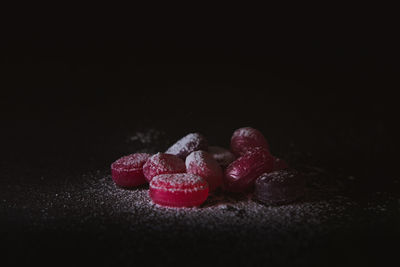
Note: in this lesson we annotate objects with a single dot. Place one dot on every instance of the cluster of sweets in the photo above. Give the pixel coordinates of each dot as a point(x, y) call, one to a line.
point(184, 175)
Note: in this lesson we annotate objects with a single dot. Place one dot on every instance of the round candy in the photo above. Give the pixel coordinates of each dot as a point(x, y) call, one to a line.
point(246, 138)
point(279, 187)
point(186, 145)
point(127, 171)
point(162, 163)
point(178, 190)
point(201, 163)
point(223, 156)
point(240, 174)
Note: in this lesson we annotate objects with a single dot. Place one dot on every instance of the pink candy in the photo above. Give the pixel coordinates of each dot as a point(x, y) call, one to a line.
point(127, 171)
point(202, 164)
point(240, 174)
point(162, 163)
point(178, 190)
point(184, 175)
point(246, 138)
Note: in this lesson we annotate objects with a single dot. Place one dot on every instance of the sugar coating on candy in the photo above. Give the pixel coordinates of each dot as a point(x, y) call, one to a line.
point(240, 174)
point(132, 161)
point(282, 176)
point(202, 163)
point(279, 187)
point(96, 198)
point(222, 155)
point(127, 171)
point(246, 138)
point(162, 163)
point(186, 145)
point(178, 190)
point(183, 182)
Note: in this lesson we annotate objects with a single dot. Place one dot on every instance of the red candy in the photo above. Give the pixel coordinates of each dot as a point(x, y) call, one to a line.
point(178, 190)
point(223, 156)
point(184, 175)
point(246, 138)
point(240, 174)
point(201, 163)
point(127, 171)
point(187, 144)
point(161, 163)
point(280, 164)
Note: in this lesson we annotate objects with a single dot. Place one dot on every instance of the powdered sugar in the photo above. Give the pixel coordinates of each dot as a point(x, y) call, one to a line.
point(132, 161)
point(219, 211)
point(146, 137)
point(278, 176)
point(183, 182)
point(198, 157)
point(178, 179)
point(244, 139)
point(97, 199)
point(162, 163)
point(201, 163)
point(188, 144)
point(244, 132)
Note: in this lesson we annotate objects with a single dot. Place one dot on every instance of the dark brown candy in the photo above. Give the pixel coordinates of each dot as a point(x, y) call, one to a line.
point(279, 187)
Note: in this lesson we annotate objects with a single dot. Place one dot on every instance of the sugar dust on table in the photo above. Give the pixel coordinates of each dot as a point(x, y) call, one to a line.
point(188, 171)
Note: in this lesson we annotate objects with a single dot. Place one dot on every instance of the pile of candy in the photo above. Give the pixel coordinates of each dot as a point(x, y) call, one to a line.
point(184, 175)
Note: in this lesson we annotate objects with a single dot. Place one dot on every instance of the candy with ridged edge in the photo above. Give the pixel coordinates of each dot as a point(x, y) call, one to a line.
point(128, 170)
point(178, 190)
point(162, 163)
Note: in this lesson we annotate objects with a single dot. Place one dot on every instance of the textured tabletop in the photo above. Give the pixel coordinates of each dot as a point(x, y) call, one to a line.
point(65, 205)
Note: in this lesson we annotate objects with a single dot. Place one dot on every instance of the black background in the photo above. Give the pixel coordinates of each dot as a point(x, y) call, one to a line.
point(322, 85)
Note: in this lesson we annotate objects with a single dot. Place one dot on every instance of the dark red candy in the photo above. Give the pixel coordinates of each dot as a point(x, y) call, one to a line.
point(178, 190)
point(279, 187)
point(246, 138)
point(162, 163)
point(186, 145)
point(201, 163)
point(223, 156)
point(280, 164)
point(128, 172)
point(241, 174)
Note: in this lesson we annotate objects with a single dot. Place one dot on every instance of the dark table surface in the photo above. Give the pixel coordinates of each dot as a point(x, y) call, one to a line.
point(58, 204)
point(73, 101)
